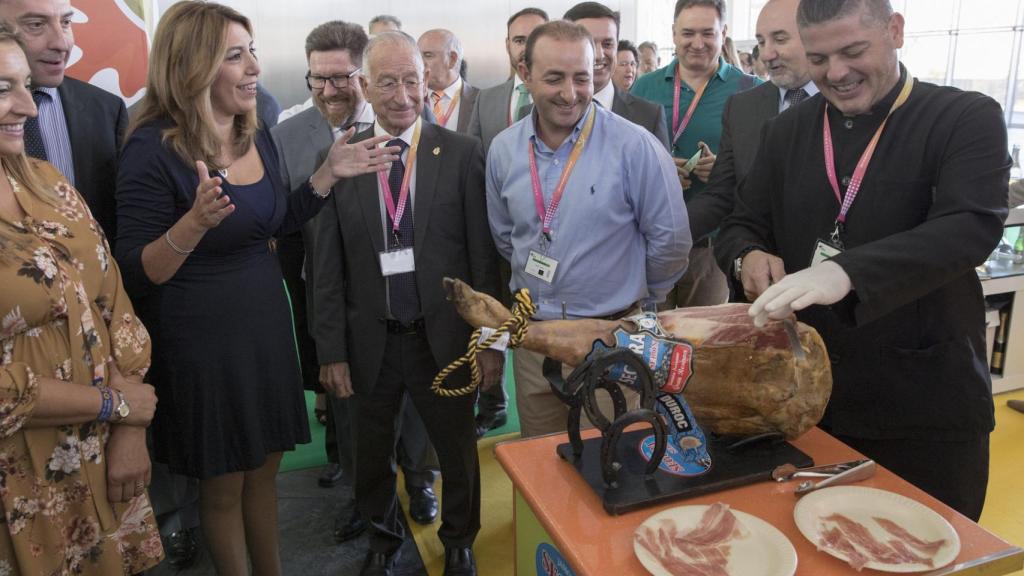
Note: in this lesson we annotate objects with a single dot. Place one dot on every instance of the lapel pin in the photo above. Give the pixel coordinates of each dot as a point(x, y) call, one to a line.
point(437, 151)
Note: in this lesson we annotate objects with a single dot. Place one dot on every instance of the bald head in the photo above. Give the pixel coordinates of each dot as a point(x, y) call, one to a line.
point(442, 56)
point(779, 46)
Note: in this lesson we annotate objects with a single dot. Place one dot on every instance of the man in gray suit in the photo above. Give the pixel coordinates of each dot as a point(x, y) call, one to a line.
point(384, 243)
point(451, 98)
point(603, 25)
point(746, 112)
point(499, 106)
point(334, 53)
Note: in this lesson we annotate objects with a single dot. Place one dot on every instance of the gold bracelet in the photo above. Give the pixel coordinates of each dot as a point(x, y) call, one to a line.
point(177, 249)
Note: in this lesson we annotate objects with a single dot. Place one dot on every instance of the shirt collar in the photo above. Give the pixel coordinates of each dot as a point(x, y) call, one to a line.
point(670, 70)
point(51, 92)
point(362, 116)
point(405, 136)
point(810, 88)
point(516, 81)
point(454, 88)
point(882, 106)
point(606, 96)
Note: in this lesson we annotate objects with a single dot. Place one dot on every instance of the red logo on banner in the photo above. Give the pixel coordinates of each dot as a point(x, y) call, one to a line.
point(679, 369)
point(113, 45)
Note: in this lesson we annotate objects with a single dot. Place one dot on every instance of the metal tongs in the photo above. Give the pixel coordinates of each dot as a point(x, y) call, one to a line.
point(833, 474)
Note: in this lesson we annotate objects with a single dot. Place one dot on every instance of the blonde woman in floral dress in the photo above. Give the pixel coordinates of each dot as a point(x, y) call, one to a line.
point(73, 408)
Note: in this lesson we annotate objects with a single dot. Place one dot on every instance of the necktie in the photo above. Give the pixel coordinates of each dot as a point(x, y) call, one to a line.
point(438, 96)
point(796, 96)
point(33, 135)
point(403, 297)
point(521, 101)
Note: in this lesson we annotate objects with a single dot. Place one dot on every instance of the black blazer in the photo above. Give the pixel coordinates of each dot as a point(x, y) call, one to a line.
point(452, 238)
point(742, 119)
point(96, 122)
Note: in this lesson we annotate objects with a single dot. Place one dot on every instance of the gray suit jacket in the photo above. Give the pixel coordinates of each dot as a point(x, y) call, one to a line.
point(744, 115)
point(469, 95)
point(490, 114)
point(452, 238)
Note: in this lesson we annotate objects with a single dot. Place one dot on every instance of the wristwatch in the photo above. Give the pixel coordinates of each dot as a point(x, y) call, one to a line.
point(737, 264)
point(122, 410)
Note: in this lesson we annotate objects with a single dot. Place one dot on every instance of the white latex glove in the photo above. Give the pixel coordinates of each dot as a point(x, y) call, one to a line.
point(824, 283)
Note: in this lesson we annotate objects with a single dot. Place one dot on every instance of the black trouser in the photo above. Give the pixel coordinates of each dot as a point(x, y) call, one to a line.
point(408, 366)
point(956, 473)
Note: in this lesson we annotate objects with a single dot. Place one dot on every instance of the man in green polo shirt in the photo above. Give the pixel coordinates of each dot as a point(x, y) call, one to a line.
point(693, 89)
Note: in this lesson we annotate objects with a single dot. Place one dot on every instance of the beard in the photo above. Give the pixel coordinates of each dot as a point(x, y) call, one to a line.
point(338, 116)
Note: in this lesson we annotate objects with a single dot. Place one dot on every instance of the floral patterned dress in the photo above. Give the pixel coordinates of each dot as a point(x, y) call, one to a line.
point(63, 314)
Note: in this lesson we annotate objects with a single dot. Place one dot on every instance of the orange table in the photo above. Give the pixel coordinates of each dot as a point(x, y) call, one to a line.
point(552, 500)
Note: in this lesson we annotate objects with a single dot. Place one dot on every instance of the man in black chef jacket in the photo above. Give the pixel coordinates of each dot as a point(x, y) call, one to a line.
point(865, 213)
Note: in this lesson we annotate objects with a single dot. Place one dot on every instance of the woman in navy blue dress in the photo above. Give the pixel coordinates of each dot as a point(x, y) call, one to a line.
point(199, 199)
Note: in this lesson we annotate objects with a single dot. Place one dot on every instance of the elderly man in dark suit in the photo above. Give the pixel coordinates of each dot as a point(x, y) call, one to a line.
point(603, 25)
point(382, 323)
point(79, 126)
point(746, 112)
point(334, 53)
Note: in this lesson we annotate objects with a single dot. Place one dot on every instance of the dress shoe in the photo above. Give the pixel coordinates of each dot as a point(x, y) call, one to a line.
point(181, 548)
point(349, 525)
point(487, 421)
point(422, 504)
point(378, 564)
point(459, 562)
point(330, 476)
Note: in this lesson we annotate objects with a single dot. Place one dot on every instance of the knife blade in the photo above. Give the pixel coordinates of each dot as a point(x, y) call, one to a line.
point(794, 339)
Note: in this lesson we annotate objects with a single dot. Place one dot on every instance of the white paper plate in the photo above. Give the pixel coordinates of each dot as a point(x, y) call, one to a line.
point(862, 504)
point(763, 551)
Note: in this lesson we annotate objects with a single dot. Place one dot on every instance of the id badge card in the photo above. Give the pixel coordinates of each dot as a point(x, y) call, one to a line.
point(541, 267)
point(824, 250)
point(397, 262)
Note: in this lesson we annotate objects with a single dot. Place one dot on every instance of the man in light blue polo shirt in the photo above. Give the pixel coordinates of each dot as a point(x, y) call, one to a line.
point(693, 88)
point(585, 205)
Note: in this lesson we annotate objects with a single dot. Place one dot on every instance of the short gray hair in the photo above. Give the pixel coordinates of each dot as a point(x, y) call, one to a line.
point(451, 44)
point(650, 45)
point(391, 38)
point(813, 12)
point(385, 19)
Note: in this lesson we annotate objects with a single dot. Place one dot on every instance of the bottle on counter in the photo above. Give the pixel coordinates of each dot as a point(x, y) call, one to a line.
point(999, 346)
point(1016, 172)
point(1018, 246)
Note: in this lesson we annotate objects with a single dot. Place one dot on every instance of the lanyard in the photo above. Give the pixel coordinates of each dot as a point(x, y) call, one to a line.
point(395, 212)
point(862, 164)
point(548, 215)
point(677, 126)
point(443, 120)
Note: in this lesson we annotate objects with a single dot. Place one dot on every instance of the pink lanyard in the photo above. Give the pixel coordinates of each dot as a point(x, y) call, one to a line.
point(548, 215)
point(677, 126)
point(396, 212)
point(865, 158)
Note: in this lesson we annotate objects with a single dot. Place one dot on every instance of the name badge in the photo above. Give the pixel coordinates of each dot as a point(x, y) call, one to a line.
point(824, 250)
point(397, 262)
point(541, 267)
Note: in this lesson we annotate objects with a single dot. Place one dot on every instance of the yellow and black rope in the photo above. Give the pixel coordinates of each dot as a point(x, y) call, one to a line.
point(515, 327)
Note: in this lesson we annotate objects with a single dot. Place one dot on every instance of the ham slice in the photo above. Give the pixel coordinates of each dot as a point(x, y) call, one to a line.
point(745, 380)
point(859, 546)
point(701, 551)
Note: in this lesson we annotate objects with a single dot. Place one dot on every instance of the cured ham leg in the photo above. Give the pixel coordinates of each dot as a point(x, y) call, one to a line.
point(745, 379)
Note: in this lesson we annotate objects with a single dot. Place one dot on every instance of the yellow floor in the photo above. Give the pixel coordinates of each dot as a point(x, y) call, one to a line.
point(1003, 515)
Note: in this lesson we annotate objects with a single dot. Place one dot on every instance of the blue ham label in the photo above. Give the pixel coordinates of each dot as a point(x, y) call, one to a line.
point(551, 563)
point(686, 453)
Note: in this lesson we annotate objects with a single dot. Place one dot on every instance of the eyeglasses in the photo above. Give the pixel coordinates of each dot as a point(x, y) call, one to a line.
point(338, 80)
point(388, 86)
